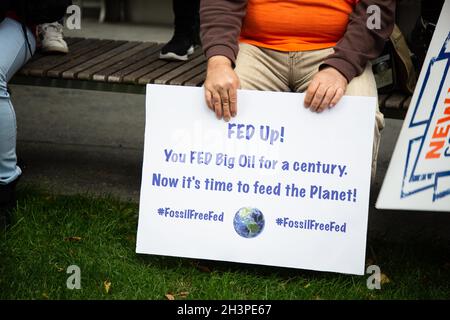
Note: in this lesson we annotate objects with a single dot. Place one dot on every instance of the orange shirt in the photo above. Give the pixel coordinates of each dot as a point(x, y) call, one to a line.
point(296, 25)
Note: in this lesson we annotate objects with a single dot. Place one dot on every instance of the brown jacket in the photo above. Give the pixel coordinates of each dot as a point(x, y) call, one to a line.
point(221, 22)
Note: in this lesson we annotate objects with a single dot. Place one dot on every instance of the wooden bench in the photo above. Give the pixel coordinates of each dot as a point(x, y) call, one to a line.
point(123, 66)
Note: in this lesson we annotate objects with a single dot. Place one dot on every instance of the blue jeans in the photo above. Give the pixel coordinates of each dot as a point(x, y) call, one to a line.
point(14, 53)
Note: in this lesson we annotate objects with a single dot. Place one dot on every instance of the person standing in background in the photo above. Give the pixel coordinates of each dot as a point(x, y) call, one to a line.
point(186, 33)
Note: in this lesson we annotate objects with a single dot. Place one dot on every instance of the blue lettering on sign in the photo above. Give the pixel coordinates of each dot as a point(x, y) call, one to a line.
point(161, 181)
point(247, 131)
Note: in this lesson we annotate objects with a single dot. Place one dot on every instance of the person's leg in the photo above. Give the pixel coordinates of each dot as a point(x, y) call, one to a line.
point(186, 30)
point(187, 18)
point(14, 53)
point(262, 69)
point(307, 65)
point(365, 85)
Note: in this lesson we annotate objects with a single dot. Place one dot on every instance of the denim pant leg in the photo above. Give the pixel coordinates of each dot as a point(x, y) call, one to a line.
point(14, 53)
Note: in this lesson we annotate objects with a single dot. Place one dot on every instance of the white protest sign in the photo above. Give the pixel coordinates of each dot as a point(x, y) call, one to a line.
point(278, 185)
point(418, 176)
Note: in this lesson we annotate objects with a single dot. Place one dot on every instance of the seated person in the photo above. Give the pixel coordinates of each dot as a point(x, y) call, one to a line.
point(320, 47)
point(15, 50)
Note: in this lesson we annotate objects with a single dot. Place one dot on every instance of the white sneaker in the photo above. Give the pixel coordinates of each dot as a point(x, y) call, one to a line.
point(51, 36)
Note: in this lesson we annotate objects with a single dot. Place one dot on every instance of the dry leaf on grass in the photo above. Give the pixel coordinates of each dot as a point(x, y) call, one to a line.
point(384, 279)
point(60, 269)
point(170, 296)
point(183, 294)
point(107, 286)
point(73, 239)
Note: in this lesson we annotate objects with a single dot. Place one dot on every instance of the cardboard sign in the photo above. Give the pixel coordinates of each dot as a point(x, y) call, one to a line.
point(278, 185)
point(418, 177)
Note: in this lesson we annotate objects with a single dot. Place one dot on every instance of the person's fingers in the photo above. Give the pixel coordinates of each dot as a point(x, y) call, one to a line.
point(232, 93)
point(208, 99)
point(310, 93)
point(318, 97)
point(225, 104)
point(329, 94)
point(217, 103)
point(337, 96)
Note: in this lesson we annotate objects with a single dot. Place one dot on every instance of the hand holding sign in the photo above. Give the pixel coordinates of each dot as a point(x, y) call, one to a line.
point(247, 190)
point(221, 86)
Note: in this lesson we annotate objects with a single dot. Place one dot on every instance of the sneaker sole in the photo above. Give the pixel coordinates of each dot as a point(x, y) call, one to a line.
point(174, 56)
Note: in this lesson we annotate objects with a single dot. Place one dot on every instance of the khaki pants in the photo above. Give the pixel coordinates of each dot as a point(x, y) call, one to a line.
point(270, 70)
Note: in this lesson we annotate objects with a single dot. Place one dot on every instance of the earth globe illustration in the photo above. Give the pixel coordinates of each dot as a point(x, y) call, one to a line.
point(248, 222)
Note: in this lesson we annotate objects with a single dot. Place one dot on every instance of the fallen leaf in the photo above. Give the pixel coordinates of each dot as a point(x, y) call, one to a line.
point(107, 286)
point(306, 286)
point(60, 269)
point(73, 239)
point(183, 294)
point(170, 296)
point(384, 279)
point(45, 296)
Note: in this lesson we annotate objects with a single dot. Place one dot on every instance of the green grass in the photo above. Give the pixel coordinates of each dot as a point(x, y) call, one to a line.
point(36, 251)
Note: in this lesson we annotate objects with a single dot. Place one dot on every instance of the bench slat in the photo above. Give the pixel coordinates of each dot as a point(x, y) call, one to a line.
point(135, 75)
point(395, 101)
point(407, 102)
point(190, 76)
point(73, 72)
point(156, 73)
point(72, 40)
point(382, 100)
point(196, 81)
point(101, 47)
point(185, 69)
point(103, 75)
point(119, 76)
point(91, 72)
point(39, 65)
